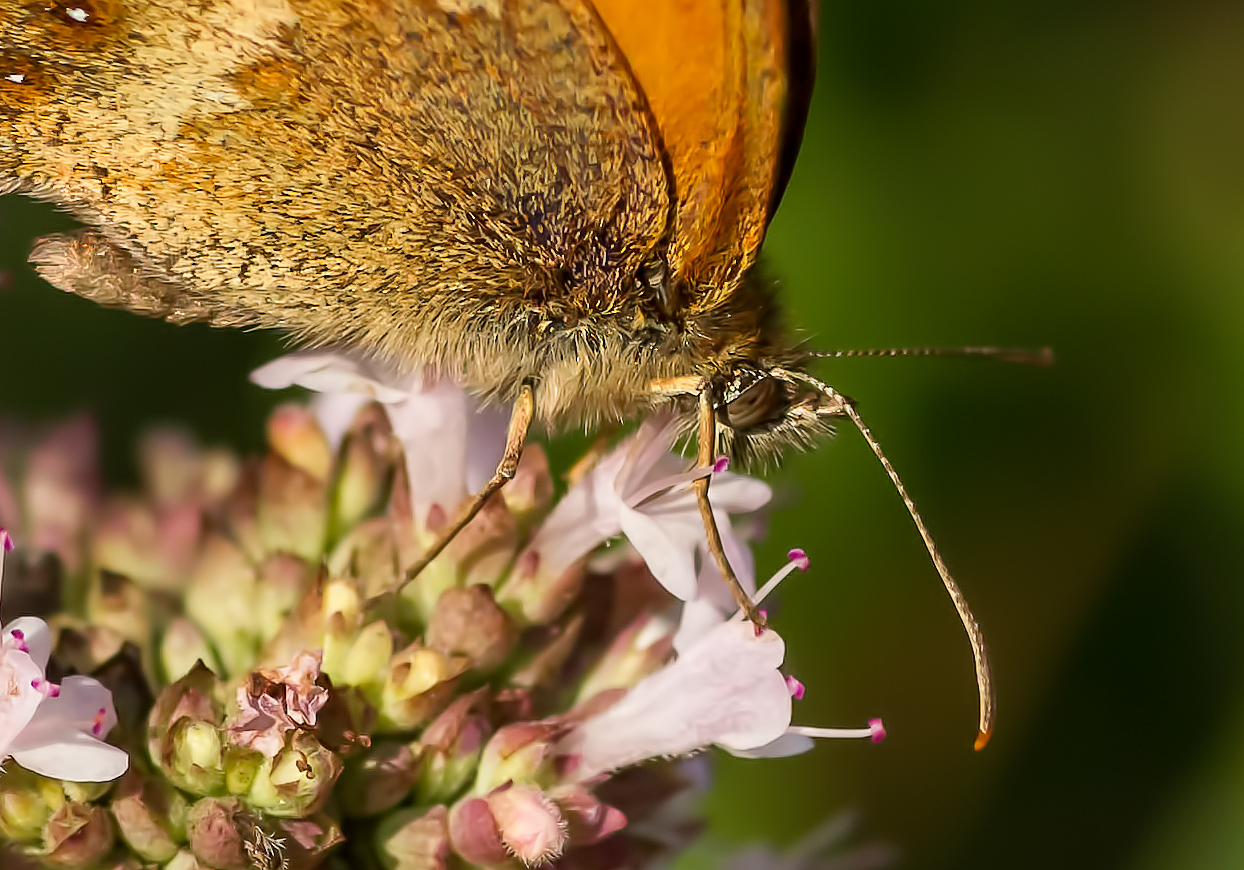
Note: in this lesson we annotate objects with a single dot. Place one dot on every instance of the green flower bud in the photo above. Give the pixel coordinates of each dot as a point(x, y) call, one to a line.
point(414, 839)
point(297, 780)
point(150, 816)
point(241, 767)
point(27, 802)
point(451, 747)
point(420, 682)
point(516, 753)
point(195, 761)
point(362, 478)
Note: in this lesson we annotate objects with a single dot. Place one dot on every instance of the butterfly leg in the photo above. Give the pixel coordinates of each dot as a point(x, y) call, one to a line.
point(516, 437)
point(707, 438)
point(89, 265)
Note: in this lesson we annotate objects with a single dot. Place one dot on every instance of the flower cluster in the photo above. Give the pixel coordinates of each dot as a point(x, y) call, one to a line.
point(288, 695)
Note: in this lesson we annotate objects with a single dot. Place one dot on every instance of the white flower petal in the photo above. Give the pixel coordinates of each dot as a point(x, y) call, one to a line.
point(335, 412)
point(672, 565)
point(725, 690)
point(738, 494)
point(84, 703)
point(65, 753)
point(325, 372)
point(786, 745)
point(36, 637)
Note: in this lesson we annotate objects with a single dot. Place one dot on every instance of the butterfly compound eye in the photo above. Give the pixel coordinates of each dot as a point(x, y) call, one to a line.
point(751, 399)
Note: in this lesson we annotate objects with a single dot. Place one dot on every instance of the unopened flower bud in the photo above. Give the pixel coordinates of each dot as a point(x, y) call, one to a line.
point(77, 837)
point(414, 839)
point(468, 622)
point(150, 816)
point(530, 824)
point(294, 436)
point(182, 736)
point(363, 662)
point(241, 767)
point(379, 780)
point(195, 762)
point(182, 645)
point(484, 549)
point(297, 780)
point(359, 484)
point(474, 833)
point(452, 745)
point(292, 511)
point(216, 828)
point(419, 684)
point(516, 753)
point(27, 802)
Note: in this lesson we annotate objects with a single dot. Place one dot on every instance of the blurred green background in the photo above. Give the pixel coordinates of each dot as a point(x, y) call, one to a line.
point(1025, 173)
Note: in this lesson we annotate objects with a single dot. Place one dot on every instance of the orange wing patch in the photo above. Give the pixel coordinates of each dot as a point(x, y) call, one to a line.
point(713, 73)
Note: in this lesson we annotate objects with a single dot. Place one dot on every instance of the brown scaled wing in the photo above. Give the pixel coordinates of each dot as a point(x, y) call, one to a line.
point(349, 171)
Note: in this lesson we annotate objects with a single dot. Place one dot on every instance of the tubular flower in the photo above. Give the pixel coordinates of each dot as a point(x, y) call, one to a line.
point(52, 730)
point(290, 685)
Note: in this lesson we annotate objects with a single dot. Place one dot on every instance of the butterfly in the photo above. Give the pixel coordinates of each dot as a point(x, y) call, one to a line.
point(557, 203)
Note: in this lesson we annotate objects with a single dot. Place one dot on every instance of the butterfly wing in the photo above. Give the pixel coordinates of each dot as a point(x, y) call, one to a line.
point(728, 82)
point(381, 172)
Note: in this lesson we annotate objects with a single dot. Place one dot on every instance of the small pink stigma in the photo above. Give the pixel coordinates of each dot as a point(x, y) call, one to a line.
point(800, 558)
point(44, 687)
point(20, 637)
point(97, 724)
point(53, 690)
point(722, 463)
point(6, 540)
point(878, 730)
point(795, 687)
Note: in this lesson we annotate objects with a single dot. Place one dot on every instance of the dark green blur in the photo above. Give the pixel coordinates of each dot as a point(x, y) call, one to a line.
point(1022, 173)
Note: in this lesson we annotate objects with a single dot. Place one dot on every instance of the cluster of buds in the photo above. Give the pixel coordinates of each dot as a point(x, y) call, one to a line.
point(289, 695)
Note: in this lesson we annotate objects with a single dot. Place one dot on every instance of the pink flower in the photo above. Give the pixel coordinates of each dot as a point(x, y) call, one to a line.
point(53, 730)
point(643, 491)
point(724, 689)
point(452, 445)
point(275, 701)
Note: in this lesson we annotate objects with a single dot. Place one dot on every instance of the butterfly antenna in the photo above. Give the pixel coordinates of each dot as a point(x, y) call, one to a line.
point(1041, 357)
point(841, 405)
